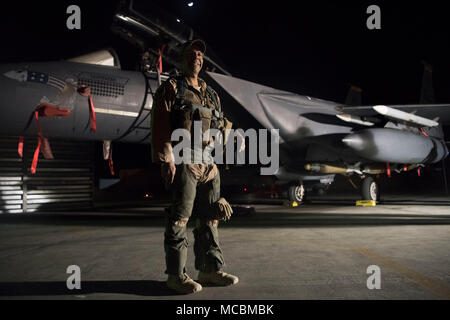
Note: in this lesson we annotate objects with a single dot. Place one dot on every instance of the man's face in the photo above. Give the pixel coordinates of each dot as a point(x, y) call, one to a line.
point(193, 61)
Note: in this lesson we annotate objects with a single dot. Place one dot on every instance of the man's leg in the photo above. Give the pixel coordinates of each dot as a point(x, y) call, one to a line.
point(175, 236)
point(208, 255)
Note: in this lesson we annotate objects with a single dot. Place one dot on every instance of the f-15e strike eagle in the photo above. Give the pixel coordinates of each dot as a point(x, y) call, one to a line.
point(318, 138)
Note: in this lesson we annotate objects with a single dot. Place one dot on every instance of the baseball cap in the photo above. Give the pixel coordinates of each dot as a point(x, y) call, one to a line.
point(197, 43)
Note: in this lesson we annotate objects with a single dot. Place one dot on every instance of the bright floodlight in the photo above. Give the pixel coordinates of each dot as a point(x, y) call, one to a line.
point(190, 4)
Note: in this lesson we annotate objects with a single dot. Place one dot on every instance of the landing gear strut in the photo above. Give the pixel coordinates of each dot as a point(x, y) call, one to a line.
point(296, 193)
point(370, 189)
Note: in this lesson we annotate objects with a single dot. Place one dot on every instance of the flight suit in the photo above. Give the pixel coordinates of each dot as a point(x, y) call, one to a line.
point(195, 189)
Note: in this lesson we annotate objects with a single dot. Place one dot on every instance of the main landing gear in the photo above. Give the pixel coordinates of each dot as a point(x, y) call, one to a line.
point(370, 189)
point(297, 193)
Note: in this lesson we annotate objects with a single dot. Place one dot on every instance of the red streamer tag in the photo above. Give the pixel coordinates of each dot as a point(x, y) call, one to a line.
point(43, 110)
point(160, 52)
point(111, 166)
point(424, 133)
point(85, 91)
point(20, 147)
point(92, 115)
point(35, 157)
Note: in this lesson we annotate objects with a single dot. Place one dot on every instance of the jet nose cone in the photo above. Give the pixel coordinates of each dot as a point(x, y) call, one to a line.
point(354, 141)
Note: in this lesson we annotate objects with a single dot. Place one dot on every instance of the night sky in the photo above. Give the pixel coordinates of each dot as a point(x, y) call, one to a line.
point(319, 49)
point(313, 49)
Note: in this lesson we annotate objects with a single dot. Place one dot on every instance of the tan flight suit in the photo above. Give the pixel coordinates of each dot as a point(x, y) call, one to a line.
point(195, 188)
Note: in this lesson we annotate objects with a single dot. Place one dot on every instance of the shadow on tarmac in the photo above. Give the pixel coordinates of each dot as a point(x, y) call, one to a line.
point(141, 288)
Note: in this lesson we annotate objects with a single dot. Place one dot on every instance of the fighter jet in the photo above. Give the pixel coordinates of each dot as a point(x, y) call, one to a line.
point(92, 98)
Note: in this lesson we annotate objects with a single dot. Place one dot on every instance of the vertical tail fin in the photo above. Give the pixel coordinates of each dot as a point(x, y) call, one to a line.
point(427, 92)
point(427, 97)
point(353, 96)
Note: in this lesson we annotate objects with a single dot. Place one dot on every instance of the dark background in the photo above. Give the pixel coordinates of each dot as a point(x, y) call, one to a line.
point(315, 49)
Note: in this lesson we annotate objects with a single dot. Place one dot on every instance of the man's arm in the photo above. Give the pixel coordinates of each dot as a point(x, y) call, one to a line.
point(161, 131)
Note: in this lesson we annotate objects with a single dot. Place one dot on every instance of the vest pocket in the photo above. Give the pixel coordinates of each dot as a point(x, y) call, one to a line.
point(183, 119)
point(205, 118)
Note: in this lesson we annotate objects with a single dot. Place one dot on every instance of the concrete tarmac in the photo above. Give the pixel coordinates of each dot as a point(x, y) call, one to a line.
point(320, 250)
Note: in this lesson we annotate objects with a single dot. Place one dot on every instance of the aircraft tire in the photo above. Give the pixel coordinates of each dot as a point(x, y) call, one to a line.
point(297, 193)
point(370, 189)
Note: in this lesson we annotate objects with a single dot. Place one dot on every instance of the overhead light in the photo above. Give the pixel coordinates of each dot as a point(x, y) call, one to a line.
point(178, 20)
point(190, 4)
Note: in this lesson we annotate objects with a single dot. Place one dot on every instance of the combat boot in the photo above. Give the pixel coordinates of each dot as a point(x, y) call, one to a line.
point(219, 278)
point(183, 284)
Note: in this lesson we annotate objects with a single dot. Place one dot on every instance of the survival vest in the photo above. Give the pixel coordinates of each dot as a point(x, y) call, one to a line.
point(183, 112)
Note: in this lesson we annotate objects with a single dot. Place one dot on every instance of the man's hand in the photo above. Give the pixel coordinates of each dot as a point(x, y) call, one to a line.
point(240, 139)
point(224, 210)
point(168, 172)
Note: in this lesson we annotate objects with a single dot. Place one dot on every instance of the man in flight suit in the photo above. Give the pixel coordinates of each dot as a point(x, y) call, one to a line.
point(195, 187)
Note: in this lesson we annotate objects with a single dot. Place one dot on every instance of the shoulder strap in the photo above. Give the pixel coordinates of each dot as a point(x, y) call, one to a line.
point(181, 88)
point(218, 111)
point(210, 91)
